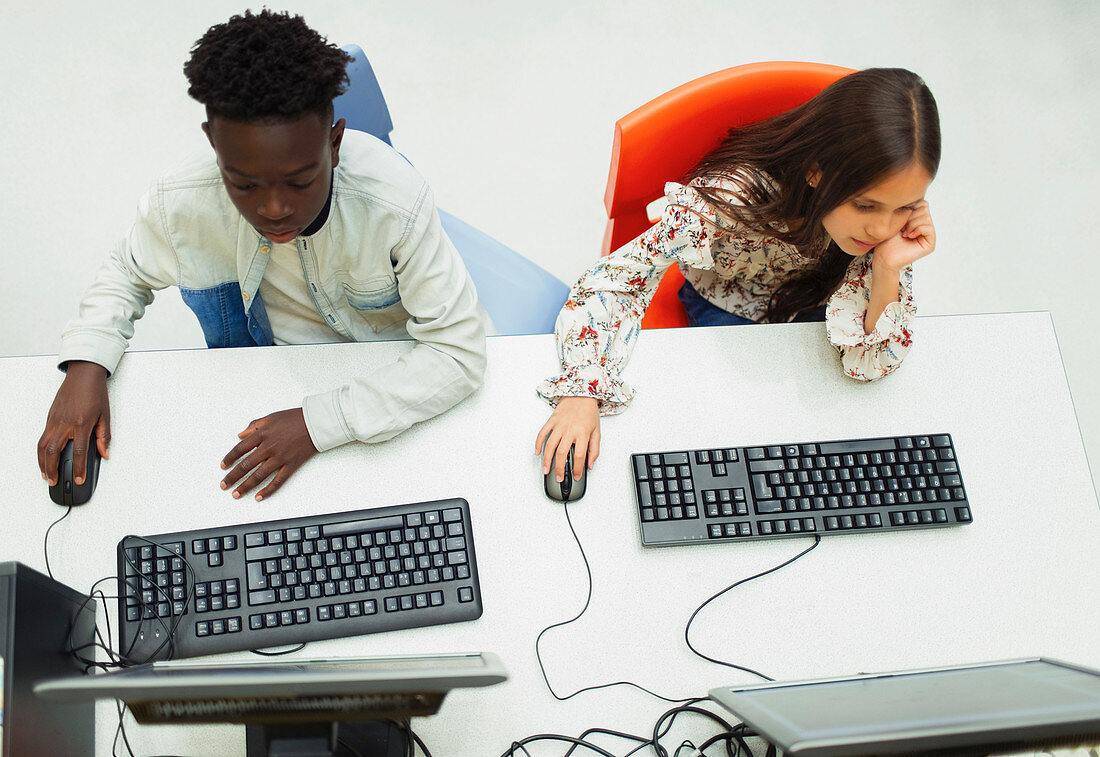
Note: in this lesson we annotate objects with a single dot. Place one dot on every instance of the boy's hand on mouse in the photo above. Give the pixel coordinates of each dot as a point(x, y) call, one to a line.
point(278, 443)
point(575, 421)
point(80, 405)
point(916, 239)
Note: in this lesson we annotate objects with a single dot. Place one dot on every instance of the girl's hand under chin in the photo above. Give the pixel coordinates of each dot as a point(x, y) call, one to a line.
point(916, 239)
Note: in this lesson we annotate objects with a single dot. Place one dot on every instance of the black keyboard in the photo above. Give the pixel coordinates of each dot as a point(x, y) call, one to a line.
point(289, 581)
point(772, 491)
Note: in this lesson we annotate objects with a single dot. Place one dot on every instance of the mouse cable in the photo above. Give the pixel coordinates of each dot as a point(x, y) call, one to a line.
point(121, 730)
point(737, 735)
point(521, 744)
point(138, 584)
point(587, 602)
point(271, 651)
point(347, 747)
point(414, 741)
point(169, 643)
point(687, 628)
point(643, 742)
point(46, 540)
point(106, 645)
point(688, 708)
point(730, 736)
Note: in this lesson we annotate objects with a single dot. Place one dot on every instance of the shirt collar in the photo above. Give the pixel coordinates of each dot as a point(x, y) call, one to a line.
point(319, 221)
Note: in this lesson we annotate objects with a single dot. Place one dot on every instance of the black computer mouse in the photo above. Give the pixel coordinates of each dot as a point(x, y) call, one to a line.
point(567, 490)
point(66, 491)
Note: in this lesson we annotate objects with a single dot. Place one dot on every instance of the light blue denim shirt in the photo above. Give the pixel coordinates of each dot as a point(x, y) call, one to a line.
point(379, 268)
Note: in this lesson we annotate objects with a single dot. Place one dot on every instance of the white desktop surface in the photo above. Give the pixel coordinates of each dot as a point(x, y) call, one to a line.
point(1023, 579)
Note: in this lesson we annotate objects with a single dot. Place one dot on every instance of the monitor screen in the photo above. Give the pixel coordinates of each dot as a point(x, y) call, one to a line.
point(1010, 702)
point(295, 689)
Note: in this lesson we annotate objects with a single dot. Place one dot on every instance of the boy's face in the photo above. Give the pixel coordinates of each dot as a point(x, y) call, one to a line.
point(277, 175)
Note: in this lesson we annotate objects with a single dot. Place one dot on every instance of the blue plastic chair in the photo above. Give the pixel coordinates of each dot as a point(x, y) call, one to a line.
point(519, 296)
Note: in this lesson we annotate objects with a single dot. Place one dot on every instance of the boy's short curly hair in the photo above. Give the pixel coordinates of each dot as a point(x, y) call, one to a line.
point(265, 67)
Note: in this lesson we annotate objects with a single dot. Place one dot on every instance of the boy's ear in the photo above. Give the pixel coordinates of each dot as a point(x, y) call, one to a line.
point(335, 137)
point(206, 131)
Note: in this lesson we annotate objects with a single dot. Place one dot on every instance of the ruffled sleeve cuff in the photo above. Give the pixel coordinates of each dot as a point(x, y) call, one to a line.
point(866, 357)
point(612, 394)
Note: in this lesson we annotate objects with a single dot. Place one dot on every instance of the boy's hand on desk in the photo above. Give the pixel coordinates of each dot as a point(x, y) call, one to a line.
point(80, 405)
point(278, 443)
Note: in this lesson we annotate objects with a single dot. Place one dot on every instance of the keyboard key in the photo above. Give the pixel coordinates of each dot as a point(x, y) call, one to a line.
point(367, 524)
point(269, 552)
point(859, 445)
point(764, 466)
point(261, 597)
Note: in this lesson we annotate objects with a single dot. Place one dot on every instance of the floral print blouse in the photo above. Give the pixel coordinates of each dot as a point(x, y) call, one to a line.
point(731, 266)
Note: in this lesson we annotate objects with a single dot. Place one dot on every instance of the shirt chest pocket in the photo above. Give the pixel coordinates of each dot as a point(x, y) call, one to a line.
point(375, 294)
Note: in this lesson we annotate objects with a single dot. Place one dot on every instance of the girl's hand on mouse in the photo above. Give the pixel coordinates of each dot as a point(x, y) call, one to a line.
point(80, 406)
point(916, 239)
point(575, 421)
point(278, 443)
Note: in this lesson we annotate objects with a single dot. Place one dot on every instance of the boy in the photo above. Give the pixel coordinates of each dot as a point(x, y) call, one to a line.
point(296, 232)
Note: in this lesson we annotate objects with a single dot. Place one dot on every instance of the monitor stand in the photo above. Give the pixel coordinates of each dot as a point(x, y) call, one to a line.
point(370, 738)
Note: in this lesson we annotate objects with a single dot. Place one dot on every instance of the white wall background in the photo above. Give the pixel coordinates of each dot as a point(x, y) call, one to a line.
point(507, 108)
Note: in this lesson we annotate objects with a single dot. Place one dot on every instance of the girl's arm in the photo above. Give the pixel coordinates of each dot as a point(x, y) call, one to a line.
point(600, 322)
point(915, 240)
point(868, 319)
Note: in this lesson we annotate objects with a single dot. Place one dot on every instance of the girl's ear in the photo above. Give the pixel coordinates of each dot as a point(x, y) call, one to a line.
point(813, 178)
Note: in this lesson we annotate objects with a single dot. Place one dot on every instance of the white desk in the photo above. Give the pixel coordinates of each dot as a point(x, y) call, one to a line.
point(1023, 579)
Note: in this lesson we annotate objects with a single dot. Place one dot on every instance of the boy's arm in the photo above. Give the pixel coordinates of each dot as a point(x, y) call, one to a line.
point(142, 262)
point(445, 366)
point(93, 343)
point(447, 363)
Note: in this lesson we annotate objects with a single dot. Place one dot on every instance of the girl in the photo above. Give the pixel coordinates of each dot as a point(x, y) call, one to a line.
point(815, 214)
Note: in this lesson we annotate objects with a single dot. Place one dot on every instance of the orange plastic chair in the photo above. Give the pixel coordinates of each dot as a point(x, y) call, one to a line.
point(662, 140)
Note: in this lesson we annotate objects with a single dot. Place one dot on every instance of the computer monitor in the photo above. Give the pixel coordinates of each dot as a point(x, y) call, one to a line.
point(965, 709)
point(300, 701)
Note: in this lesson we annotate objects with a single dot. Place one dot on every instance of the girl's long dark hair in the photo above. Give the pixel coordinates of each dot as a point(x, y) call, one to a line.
point(855, 132)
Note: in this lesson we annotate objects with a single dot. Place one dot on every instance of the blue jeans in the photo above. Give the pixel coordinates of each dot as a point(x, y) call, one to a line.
point(222, 317)
point(700, 312)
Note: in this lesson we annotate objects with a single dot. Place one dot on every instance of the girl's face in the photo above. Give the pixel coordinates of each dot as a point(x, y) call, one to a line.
point(877, 212)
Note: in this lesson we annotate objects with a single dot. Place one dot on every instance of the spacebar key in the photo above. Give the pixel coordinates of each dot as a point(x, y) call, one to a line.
point(861, 445)
point(367, 524)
